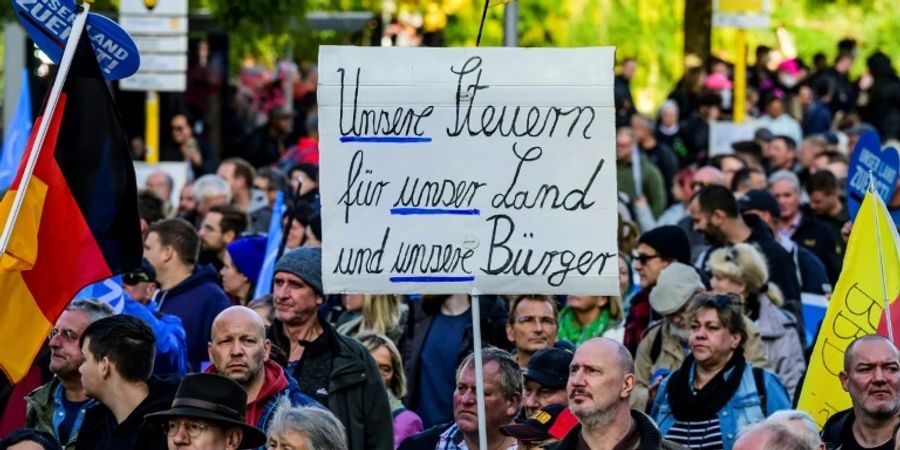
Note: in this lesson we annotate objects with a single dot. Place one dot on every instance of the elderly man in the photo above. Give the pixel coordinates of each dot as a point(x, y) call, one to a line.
point(872, 377)
point(545, 380)
point(208, 414)
point(161, 184)
point(240, 351)
point(502, 398)
point(58, 407)
point(333, 369)
point(801, 227)
point(801, 423)
point(532, 325)
point(770, 436)
point(601, 379)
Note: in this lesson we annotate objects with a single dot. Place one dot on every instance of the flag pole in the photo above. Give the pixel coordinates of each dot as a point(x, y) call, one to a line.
point(887, 305)
point(479, 369)
point(487, 3)
point(52, 101)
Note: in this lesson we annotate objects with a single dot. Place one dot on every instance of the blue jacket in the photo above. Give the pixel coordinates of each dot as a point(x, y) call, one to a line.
point(196, 301)
point(293, 393)
point(171, 345)
point(744, 407)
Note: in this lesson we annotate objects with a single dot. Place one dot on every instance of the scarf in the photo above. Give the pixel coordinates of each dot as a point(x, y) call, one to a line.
point(688, 405)
point(570, 330)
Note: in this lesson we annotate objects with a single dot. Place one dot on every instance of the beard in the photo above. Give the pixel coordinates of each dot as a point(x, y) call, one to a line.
point(682, 335)
point(594, 418)
point(714, 236)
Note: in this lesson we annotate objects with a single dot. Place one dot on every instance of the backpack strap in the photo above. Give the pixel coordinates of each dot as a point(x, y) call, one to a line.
point(759, 380)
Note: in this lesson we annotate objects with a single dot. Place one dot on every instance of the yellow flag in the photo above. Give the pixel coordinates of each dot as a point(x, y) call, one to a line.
point(856, 307)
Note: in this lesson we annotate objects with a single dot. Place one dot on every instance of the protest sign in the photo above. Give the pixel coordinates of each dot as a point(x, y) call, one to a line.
point(883, 163)
point(49, 23)
point(468, 170)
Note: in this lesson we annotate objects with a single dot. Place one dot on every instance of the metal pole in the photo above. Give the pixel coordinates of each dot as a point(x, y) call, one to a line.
point(151, 127)
point(511, 25)
point(879, 204)
point(479, 371)
point(52, 101)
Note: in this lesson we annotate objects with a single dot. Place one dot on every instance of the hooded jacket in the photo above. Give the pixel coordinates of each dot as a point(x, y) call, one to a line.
point(277, 384)
point(197, 301)
point(356, 395)
point(100, 430)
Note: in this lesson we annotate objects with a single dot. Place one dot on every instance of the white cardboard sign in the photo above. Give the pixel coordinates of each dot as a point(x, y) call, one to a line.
point(468, 170)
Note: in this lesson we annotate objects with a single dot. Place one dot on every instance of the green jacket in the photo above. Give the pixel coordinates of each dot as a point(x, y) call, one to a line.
point(653, 186)
point(41, 405)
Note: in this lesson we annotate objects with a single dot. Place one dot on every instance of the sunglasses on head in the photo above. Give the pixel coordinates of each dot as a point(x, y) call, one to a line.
point(133, 278)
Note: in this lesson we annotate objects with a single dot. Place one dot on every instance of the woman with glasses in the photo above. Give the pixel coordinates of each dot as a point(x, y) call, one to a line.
point(586, 317)
point(386, 355)
point(715, 392)
point(742, 270)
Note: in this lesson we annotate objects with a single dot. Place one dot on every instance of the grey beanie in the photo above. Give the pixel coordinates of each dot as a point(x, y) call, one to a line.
point(674, 287)
point(304, 262)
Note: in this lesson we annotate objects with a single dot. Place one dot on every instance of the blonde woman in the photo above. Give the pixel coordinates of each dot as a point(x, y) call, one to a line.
point(742, 270)
point(385, 314)
point(386, 355)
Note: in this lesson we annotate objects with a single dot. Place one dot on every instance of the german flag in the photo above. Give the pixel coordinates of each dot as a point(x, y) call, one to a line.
point(79, 221)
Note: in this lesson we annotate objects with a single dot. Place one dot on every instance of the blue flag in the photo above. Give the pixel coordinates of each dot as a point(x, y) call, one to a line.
point(267, 271)
point(16, 136)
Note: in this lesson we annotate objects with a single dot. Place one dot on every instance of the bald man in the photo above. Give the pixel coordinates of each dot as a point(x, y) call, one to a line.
point(601, 378)
point(871, 376)
point(240, 351)
point(770, 436)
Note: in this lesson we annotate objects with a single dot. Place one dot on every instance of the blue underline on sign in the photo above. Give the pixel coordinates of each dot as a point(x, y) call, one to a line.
point(434, 212)
point(387, 139)
point(433, 279)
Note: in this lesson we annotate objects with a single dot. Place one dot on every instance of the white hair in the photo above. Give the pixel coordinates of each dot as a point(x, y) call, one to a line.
point(209, 186)
point(810, 432)
point(785, 175)
point(321, 429)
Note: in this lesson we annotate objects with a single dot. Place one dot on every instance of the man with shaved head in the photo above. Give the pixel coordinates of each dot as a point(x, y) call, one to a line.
point(871, 376)
point(240, 351)
point(601, 378)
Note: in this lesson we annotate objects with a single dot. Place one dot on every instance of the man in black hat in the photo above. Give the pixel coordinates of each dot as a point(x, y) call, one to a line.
point(208, 414)
point(657, 248)
point(545, 379)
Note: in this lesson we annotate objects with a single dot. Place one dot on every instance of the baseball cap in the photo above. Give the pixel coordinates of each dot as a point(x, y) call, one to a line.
point(549, 367)
point(553, 421)
point(759, 199)
point(763, 134)
point(143, 274)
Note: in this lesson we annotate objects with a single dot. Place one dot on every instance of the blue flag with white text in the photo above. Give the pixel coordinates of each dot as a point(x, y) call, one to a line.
point(16, 137)
point(267, 271)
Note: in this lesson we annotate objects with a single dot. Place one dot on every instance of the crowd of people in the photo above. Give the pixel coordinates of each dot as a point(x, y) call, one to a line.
point(705, 347)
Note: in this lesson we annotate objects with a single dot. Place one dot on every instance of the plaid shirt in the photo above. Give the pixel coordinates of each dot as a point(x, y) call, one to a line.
point(452, 439)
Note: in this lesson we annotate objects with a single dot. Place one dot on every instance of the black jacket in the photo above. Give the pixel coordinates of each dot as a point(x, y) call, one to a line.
point(650, 438)
point(356, 394)
point(425, 440)
point(101, 432)
point(817, 238)
point(494, 314)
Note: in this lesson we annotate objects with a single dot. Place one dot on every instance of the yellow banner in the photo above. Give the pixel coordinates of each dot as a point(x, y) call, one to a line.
point(855, 309)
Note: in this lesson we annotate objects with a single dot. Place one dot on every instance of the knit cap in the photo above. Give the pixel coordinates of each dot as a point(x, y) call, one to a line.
point(304, 262)
point(670, 242)
point(247, 254)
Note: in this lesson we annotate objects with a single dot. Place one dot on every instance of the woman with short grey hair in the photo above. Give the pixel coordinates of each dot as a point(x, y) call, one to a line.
point(309, 427)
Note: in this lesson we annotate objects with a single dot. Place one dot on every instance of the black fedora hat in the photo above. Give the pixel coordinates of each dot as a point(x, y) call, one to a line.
point(214, 398)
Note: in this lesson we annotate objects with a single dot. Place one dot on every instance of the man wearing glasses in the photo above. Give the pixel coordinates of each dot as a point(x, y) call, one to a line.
point(58, 407)
point(532, 325)
point(208, 414)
